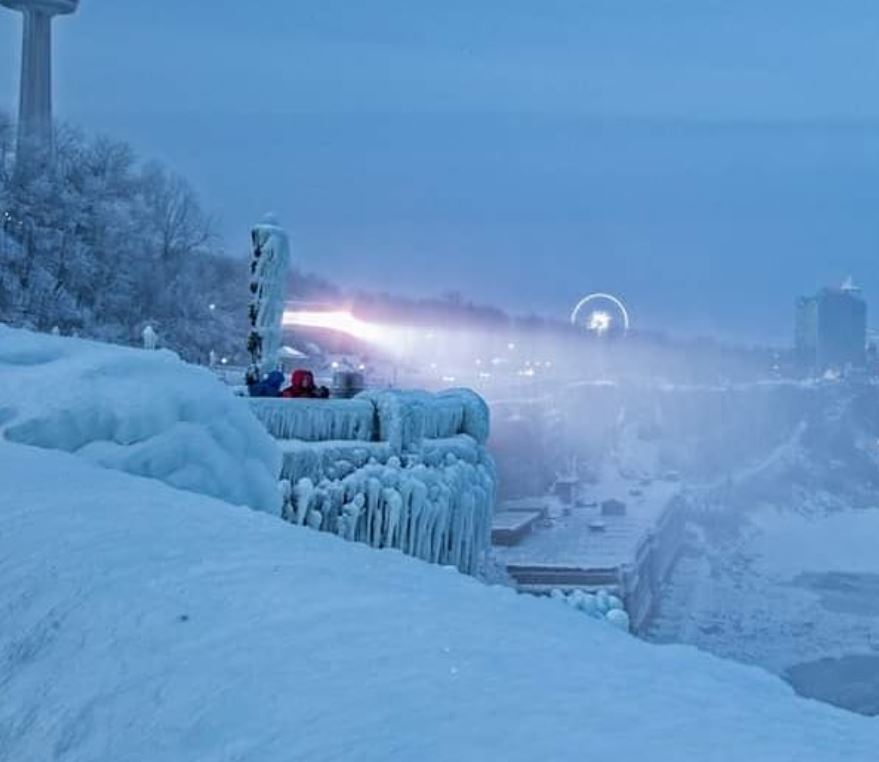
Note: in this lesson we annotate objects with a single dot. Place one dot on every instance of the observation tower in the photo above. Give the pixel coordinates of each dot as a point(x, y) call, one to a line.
point(35, 99)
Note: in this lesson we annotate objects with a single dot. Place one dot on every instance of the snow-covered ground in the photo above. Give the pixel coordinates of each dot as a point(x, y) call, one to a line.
point(143, 622)
point(144, 412)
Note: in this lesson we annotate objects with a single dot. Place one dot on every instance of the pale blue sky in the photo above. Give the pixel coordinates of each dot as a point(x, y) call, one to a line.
point(706, 160)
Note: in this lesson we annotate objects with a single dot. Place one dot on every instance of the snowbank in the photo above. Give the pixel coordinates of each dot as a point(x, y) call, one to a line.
point(147, 413)
point(142, 622)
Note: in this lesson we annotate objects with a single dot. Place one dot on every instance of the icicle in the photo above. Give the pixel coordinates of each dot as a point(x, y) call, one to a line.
point(302, 495)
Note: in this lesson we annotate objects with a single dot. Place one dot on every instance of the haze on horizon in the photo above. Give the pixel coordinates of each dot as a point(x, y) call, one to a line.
point(706, 161)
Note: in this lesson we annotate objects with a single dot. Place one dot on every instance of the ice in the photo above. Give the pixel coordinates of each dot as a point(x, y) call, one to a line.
point(143, 622)
point(393, 469)
point(405, 417)
point(314, 420)
point(440, 513)
point(144, 412)
point(270, 264)
point(598, 605)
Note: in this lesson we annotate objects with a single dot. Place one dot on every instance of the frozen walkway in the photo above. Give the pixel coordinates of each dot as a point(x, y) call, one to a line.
point(577, 547)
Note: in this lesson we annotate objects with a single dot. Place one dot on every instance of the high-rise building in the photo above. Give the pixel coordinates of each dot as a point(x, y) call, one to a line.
point(831, 329)
point(35, 98)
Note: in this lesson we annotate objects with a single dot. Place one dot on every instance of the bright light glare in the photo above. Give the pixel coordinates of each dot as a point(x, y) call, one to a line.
point(599, 321)
point(343, 322)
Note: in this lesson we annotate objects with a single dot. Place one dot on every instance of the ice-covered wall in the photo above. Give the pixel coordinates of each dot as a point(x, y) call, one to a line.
point(437, 511)
point(147, 413)
point(393, 469)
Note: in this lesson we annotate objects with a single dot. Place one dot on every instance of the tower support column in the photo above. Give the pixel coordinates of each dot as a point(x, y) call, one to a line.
point(35, 104)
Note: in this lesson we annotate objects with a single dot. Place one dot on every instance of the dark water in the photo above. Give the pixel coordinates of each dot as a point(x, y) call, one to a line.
point(850, 682)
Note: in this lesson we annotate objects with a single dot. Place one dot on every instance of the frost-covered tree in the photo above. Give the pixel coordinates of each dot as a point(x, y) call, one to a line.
point(96, 242)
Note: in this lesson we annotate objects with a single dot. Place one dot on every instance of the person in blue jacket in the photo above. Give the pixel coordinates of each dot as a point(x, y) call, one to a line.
point(270, 386)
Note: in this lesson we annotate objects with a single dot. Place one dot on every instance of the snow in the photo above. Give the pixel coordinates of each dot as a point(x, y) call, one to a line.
point(815, 543)
point(143, 622)
point(144, 412)
point(782, 570)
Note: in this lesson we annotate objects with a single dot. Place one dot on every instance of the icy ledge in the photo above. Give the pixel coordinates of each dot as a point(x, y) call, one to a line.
point(147, 413)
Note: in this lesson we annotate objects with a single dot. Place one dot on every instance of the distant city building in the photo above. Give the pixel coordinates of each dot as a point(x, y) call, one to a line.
point(831, 329)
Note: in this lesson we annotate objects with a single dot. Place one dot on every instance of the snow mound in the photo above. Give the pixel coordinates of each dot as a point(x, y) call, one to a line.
point(147, 413)
point(142, 622)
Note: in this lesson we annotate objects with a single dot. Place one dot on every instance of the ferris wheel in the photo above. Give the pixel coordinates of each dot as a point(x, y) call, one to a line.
point(601, 314)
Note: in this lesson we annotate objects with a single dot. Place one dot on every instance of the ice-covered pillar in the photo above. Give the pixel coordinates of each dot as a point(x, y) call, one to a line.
point(269, 269)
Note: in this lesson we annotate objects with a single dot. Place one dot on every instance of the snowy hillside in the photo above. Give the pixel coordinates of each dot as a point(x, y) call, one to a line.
point(142, 622)
point(146, 413)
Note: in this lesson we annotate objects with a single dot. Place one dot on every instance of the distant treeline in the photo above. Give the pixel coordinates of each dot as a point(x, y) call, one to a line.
point(99, 243)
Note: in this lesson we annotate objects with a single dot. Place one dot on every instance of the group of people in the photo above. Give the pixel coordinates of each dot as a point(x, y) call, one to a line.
point(301, 386)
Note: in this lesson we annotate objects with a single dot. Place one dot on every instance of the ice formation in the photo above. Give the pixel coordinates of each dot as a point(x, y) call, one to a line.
point(144, 412)
point(393, 469)
point(316, 420)
point(269, 267)
point(598, 605)
point(439, 512)
point(407, 417)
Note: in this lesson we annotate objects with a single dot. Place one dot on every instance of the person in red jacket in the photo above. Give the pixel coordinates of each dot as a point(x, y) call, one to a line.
point(302, 386)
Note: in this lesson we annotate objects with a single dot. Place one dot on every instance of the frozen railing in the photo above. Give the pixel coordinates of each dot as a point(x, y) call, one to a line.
point(316, 420)
point(439, 513)
point(394, 469)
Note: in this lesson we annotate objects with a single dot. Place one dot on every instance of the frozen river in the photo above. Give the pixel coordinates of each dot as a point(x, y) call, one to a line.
point(794, 594)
